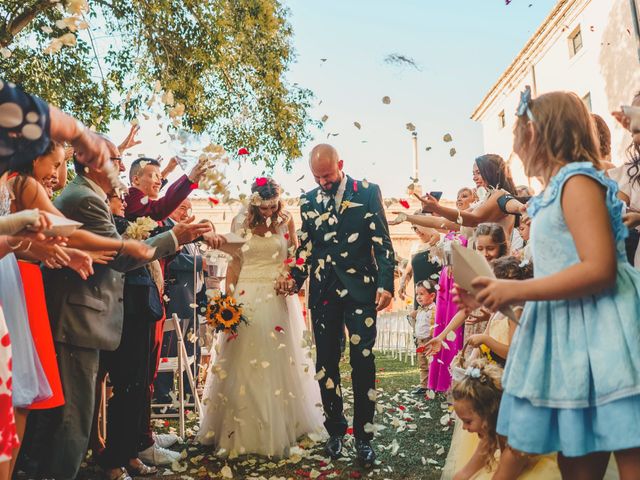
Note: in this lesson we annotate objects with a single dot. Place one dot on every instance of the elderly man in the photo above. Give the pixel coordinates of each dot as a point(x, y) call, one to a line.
point(143, 199)
point(351, 257)
point(87, 316)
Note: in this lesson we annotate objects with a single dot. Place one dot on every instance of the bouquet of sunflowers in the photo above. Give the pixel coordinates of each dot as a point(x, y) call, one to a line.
point(224, 314)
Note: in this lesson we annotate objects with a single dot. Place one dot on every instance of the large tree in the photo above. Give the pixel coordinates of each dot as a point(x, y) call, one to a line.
point(219, 65)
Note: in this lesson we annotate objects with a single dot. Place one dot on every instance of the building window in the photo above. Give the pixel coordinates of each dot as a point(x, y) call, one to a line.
point(502, 120)
point(587, 100)
point(575, 41)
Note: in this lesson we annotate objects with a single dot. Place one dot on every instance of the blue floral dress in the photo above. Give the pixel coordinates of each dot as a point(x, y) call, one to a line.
point(572, 379)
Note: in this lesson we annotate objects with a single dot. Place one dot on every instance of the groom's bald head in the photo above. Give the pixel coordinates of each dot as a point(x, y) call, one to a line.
point(326, 167)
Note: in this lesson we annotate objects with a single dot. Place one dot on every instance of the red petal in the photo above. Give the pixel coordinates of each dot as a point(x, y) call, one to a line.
point(350, 430)
point(164, 360)
point(325, 302)
point(286, 236)
point(279, 329)
point(355, 185)
point(243, 151)
point(5, 340)
point(421, 349)
point(355, 474)
point(288, 261)
point(404, 203)
point(299, 261)
point(213, 200)
point(402, 407)
point(261, 181)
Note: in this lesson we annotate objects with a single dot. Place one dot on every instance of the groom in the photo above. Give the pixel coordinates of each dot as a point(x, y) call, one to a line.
point(346, 248)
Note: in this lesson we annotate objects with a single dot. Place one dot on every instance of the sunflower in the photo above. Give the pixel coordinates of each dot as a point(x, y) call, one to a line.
point(487, 353)
point(228, 314)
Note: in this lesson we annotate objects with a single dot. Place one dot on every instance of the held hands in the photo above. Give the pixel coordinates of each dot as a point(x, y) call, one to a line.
point(214, 241)
point(285, 285)
point(383, 299)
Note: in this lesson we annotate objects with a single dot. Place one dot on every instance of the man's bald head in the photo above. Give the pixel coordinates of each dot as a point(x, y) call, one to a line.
point(326, 167)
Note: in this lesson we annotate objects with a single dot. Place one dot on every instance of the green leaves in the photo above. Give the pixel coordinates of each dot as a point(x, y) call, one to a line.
point(225, 60)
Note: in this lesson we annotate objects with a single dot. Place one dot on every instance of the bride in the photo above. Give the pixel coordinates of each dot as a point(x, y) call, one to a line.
point(260, 396)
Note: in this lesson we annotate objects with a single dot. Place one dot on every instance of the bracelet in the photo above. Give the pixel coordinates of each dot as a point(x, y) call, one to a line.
point(28, 246)
point(121, 247)
point(12, 247)
point(459, 218)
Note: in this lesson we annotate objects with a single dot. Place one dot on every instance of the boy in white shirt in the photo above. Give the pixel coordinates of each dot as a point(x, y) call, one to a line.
point(424, 318)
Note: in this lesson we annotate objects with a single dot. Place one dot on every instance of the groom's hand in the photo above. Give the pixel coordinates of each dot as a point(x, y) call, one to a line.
point(383, 299)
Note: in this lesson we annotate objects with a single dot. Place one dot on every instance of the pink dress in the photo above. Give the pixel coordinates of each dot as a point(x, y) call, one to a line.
point(439, 375)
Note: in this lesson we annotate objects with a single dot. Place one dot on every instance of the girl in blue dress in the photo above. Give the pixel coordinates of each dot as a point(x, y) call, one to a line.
point(572, 379)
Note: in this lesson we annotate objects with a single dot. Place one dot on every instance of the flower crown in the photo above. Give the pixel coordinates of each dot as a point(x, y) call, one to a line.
point(524, 107)
point(257, 201)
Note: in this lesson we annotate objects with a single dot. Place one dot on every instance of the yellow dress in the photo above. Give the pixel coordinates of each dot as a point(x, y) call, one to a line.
point(464, 444)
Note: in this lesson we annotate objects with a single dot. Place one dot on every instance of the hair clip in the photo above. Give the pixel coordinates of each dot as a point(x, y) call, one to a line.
point(473, 372)
point(524, 105)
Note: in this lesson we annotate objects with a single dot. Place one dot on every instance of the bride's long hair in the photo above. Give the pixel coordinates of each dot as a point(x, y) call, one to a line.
point(269, 190)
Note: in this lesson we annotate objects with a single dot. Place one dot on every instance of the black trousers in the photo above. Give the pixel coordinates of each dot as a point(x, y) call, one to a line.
point(128, 369)
point(328, 318)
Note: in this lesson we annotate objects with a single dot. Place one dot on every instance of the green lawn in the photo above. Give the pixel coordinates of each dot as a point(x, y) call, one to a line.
point(412, 445)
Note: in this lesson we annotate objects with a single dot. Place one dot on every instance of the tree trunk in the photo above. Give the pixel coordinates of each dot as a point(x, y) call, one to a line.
point(19, 22)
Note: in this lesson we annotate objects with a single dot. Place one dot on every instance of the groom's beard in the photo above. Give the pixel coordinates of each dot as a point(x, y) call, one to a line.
point(333, 189)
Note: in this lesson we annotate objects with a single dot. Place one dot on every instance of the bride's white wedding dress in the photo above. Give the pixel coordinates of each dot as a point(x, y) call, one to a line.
point(260, 395)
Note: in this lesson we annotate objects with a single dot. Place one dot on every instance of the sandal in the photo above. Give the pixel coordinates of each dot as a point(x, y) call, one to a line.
point(123, 474)
point(142, 470)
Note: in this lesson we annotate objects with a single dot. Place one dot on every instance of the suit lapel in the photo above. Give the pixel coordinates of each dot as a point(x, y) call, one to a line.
point(349, 193)
point(318, 207)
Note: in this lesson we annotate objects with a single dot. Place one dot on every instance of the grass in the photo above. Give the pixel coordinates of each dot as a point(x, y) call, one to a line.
point(412, 445)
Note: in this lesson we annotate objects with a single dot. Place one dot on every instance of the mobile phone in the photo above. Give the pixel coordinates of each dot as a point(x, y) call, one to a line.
point(436, 195)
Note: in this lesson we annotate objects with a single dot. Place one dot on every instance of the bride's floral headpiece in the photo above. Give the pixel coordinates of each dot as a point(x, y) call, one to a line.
point(258, 201)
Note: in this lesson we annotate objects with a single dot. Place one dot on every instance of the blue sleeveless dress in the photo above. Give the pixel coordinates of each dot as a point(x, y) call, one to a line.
point(572, 378)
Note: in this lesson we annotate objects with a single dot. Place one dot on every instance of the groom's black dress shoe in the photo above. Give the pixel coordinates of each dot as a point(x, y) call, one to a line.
point(366, 455)
point(333, 447)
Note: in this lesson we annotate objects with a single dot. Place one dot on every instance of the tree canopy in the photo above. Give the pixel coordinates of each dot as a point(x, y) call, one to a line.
point(217, 65)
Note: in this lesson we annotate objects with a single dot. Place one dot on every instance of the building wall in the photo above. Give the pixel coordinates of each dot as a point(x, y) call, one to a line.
point(607, 67)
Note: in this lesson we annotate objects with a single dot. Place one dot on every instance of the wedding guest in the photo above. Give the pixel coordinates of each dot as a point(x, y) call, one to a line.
point(604, 140)
point(424, 318)
point(87, 317)
point(627, 176)
point(181, 292)
point(128, 367)
point(493, 181)
point(421, 265)
point(581, 272)
point(40, 123)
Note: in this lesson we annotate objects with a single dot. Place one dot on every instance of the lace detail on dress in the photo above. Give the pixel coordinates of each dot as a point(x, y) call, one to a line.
point(614, 205)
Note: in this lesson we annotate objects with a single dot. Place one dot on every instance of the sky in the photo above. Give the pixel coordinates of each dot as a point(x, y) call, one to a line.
point(460, 47)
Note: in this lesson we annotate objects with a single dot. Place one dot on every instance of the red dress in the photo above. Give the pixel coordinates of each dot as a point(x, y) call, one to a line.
point(8, 434)
point(41, 333)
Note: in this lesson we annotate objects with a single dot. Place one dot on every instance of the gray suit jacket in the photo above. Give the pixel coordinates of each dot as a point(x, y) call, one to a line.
point(89, 313)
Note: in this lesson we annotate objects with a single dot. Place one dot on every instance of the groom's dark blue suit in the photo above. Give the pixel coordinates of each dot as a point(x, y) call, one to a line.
point(348, 255)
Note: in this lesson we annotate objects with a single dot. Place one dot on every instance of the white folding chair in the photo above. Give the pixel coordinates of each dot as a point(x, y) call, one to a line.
point(178, 366)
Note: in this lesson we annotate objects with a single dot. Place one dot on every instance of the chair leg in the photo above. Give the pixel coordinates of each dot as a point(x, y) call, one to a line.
point(180, 388)
point(192, 383)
